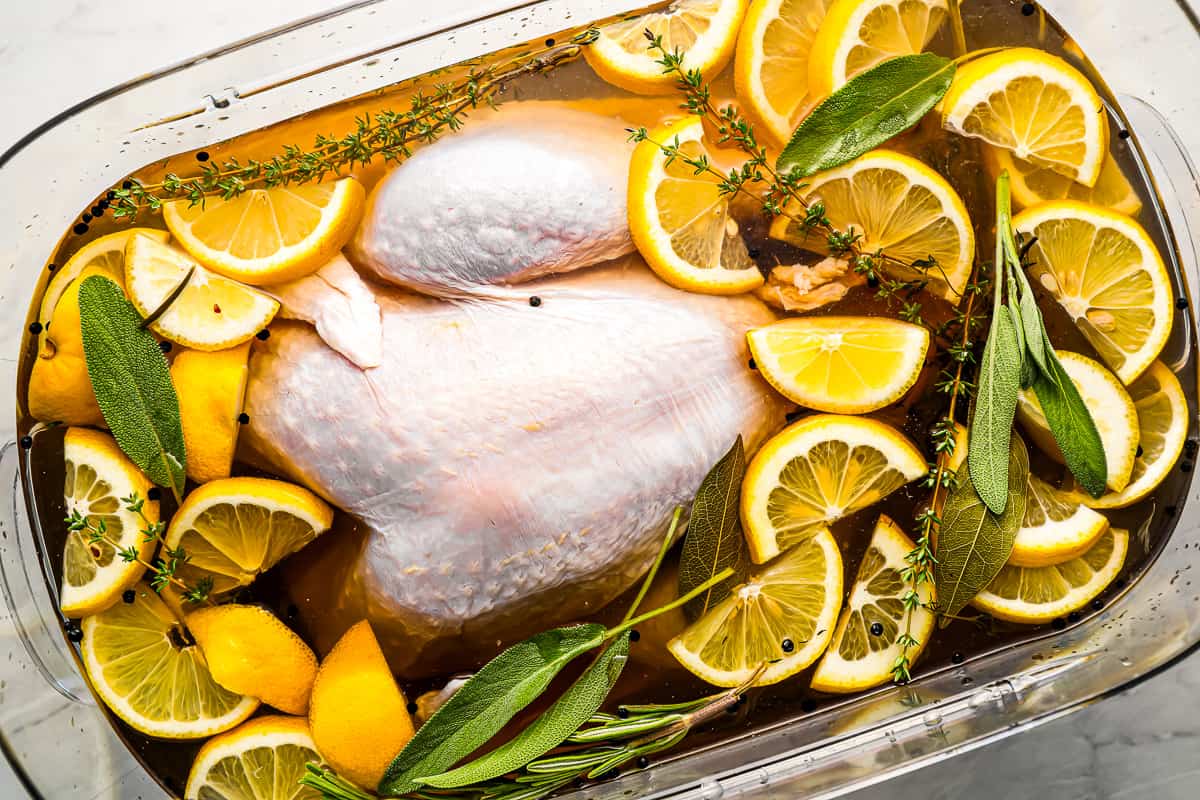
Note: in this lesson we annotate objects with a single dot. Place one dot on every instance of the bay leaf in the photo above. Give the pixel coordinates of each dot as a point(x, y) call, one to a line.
point(995, 409)
point(485, 703)
point(569, 712)
point(132, 383)
point(973, 543)
point(1072, 424)
point(714, 538)
point(871, 108)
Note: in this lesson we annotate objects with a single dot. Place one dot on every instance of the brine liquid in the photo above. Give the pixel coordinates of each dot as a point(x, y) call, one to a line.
point(295, 589)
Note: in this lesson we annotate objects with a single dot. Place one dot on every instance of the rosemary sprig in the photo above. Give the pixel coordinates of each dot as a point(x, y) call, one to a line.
point(163, 569)
point(774, 191)
point(603, 745)
point(386, 134)
point(952, 381)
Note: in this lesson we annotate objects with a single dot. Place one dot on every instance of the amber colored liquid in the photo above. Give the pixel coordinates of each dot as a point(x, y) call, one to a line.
point(297, 590)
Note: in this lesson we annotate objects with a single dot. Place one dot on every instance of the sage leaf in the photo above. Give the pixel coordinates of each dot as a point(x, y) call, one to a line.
point(569, 712)
point(714, 539)
point(995, 409)
point(973, 543)
point(1072, 424)
point(132, 382)
point(871, 108)
point(485, 704)
point(1031, 322)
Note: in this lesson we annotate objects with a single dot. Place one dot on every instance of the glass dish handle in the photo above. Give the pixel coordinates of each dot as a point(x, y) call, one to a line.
point(29, 614)
point(1175, 176)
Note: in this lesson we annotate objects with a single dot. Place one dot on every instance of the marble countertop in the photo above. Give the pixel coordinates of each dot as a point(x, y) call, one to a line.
point(1143, 743)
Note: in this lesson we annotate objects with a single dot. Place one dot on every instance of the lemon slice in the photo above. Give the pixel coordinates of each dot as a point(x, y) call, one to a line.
point(235, 528)
point(681, 222)
point(1162, 415)
point(847, 365)
point(142, 667)
point(1112, 410)
point(260, 760)
point(860, 657)
point(269, 235)
point(1032, 184)
point(106, 253)
point(858, 34)
point(212, 313)
point(96, 476)
point(1039, 594)
point(704, 31)
point(211, 387)
point(1105, 271)
point(783, 614)
point(1033, 104)
point(770, 71)
point(899, 206)
point(1056, 527)
point(819, 470)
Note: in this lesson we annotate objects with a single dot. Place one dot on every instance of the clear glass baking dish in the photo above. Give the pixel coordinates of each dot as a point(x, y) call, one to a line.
point(61, 745)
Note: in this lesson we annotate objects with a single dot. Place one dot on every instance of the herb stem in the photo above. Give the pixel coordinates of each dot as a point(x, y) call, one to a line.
point(662, 553)
point(628, 624)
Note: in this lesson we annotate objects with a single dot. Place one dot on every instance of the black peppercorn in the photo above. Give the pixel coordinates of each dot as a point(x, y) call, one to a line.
point(634, 636)
point(787, 645)
point(129, 595)
point(535, 301)
point(877, 629)
point(263, 335)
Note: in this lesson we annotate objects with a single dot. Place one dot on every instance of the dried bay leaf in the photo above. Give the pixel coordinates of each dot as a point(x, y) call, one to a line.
point(714, 539)
point(973, 543)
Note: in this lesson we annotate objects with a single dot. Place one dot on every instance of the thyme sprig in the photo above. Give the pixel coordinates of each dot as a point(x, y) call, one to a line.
point(596, 751)
point(777, 193)
point(953, 382)
point(386, 134)
point(163, 569)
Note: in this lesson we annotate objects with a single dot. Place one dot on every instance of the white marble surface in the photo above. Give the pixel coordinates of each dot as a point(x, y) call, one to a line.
point(54, 53)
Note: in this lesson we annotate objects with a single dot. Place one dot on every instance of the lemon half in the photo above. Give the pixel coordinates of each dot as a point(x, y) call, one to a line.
point(782, 615)
point(858, 658)
point(140, 663)
point(263, 759)
point(819, 470)
point(1056, 527)
point(1103, 268)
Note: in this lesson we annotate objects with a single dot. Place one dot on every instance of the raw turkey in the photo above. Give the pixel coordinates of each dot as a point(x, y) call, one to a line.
point(512, 461)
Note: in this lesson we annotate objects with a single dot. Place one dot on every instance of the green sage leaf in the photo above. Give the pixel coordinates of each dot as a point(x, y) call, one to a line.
point(551, 729)
point(485, 704)
point(1031, 323)
point(995, 409)
point(973, 543)
point(132, 383)
point(871, 108)
point(714, 538)
point(1072, 424)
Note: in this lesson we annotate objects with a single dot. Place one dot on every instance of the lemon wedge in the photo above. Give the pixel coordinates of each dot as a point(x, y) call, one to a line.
point(1113, 413)
point(1162, 415)
point(211, 313)
point(1103, 268)
point(859, 657)
point(250, 651)
point(1056, 527)
point(845, 365)
point(269, 235)
point(897, 205)
point(771, 64)
point(858, 34)
point(235, 528)
point(96, 476)
point(358, 715)
point(704, 31)
point(819, 470)
point(782, 615)
point(263, 759)
point(211, 387)
point(141, 665)
point(681, 222)
point(1034, 595)
point(1033, 104)
point(1032, 185)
